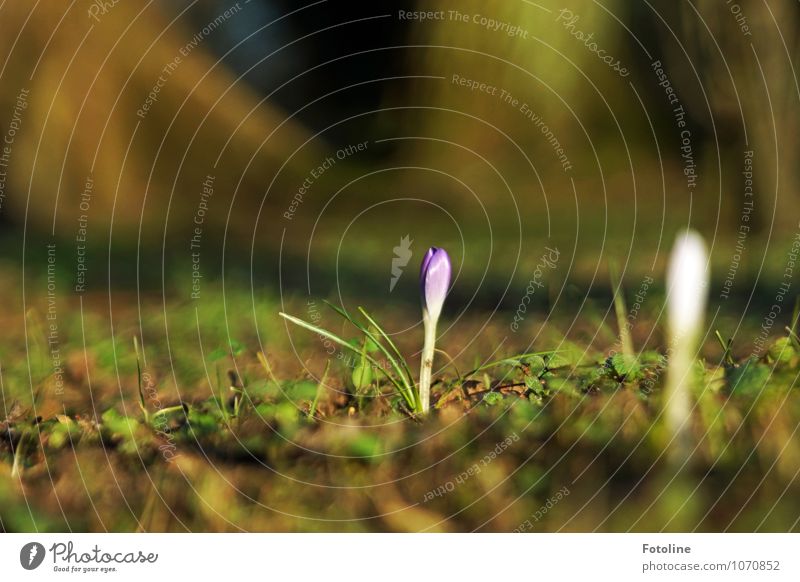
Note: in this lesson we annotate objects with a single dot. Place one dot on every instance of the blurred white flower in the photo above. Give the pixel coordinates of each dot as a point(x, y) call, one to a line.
point(687, 288)
point(687, 282)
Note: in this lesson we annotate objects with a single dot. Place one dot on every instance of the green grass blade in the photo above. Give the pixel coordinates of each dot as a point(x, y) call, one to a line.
point(510, 361)
point(621, 311)
point(405, 375)
point(726, 347)
point(403, 389)
point(313, 410)
point(389, 341)
point(142, 404)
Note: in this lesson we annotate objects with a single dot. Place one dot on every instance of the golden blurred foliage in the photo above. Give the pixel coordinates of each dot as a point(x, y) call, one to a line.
point(126, 109)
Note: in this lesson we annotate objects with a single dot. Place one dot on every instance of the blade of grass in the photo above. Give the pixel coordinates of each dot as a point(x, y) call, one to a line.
point(408, 380)
point(18, 453)
point(793, 338)
point(510, 361)
point(621, 311)
point(392, 345)
point(362, 372)
point(403, 389)
point(726, 346)
point(220, 395)
point(168, 410)
point(320, 386)
point(142, 404)
point(262, 357)
point(451, 361)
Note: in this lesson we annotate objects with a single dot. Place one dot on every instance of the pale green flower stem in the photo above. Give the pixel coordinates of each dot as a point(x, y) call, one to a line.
point(426, 369)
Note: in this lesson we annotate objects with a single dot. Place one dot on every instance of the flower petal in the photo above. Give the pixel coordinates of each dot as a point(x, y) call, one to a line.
point(435, 276)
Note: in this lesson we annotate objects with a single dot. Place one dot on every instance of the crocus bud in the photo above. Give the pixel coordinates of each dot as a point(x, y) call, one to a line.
point(687, 286)
point(688, 283)
point(434, 280)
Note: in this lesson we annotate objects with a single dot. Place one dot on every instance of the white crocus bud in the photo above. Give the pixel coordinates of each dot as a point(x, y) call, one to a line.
point(687, 288)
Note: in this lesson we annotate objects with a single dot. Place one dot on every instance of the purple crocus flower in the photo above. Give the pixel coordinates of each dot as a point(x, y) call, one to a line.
point(434, 280)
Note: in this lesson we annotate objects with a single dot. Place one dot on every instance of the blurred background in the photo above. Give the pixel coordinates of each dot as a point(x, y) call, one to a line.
point(494, 130)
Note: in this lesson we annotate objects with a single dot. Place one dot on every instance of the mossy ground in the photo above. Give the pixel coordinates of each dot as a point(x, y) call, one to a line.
point(573, 441)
